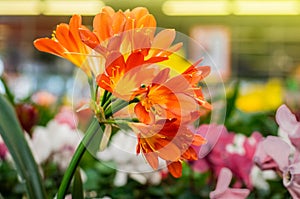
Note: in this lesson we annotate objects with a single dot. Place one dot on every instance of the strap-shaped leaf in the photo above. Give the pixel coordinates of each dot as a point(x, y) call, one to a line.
point(14, 139)
point(77, 189)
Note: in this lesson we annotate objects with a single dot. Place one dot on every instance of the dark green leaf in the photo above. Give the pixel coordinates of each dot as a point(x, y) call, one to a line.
point(232, 99)
point(77, 190)
point(14, 139)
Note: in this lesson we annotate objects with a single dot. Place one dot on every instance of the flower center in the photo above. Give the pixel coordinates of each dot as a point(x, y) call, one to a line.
point(287, 178)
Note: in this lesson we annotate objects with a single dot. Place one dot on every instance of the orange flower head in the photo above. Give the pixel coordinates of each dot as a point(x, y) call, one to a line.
point(66, 43)
point(128, 32)
point(170, 140)
point(124, 77)
point(194, 74)
point(168, 98)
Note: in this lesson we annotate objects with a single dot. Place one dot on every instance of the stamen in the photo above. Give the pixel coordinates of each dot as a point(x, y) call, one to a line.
point(107, 84)
point(132, 33)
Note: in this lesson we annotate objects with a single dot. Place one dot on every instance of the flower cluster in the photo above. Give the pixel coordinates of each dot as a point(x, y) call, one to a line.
point(227, 150)
point(131, 83)
point(282, 156)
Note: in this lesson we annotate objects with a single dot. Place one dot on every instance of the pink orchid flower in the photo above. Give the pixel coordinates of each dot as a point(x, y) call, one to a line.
point(288, 165)
point(223, 191)
point(288, 123)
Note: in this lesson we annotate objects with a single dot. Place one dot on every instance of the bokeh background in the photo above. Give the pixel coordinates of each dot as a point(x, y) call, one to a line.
point(253, 40)
point(254, 45)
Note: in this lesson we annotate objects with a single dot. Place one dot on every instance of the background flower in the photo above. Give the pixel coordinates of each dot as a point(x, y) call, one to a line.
point(123, 153)
point(56, 142)
point(289, 126)
point(227, 149)
point(222, 189)
point(287, 165)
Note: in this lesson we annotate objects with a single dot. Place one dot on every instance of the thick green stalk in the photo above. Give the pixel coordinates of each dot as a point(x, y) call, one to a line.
point(81, 149)
point(118, 105)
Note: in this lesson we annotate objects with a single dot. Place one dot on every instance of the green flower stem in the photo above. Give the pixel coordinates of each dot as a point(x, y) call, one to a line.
point(118, 105)
point(105, 98)
point(92, 88)
point(107, 103)
point(81, 149)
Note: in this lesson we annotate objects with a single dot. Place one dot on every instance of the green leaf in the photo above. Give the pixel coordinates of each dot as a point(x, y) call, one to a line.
point(14, 139)
point(9, 95)
point(231, 101)
point(77, 190)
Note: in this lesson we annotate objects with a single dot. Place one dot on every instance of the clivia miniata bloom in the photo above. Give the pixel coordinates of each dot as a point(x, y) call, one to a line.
point(123, 58)
point(169, 140)
point(66, 43)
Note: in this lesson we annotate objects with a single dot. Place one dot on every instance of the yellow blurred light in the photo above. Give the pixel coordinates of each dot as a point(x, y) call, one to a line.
point(56, 7)
point(188, 8)
point(20, 7)
point(266, 7)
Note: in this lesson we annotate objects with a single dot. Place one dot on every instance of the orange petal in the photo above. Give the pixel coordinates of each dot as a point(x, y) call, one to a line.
point(162, 76)
point(114, 43)
point(198, 140)
point(89, 38)
point(152, 159)
point(175, 168)
point(142, 114)
point(134, 59)
point(171, 50)
point(119, 20)
point(146, 21)
point(169, 152)
point(74, 25)
point(195, 73)
point(49, 46)
point(163, 39)
point(139, 12)
point(102, 26)
point(113, 60)
point(64, 37)
point(104, 82)
point(192, 68)
point(108, 10)
point(190, 154)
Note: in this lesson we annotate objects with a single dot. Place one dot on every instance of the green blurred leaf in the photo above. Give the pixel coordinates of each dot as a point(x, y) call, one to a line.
point(9, 95)
point(231, 101)
point(14, 139)
point(77, 189)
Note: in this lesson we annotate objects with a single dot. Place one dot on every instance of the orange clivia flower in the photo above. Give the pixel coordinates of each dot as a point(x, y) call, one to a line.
point(124, 77)
point(194, 74)
point(176, 97)
point(66, 43)
point(170, 140)
point(110, 26)
point(127, 32)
